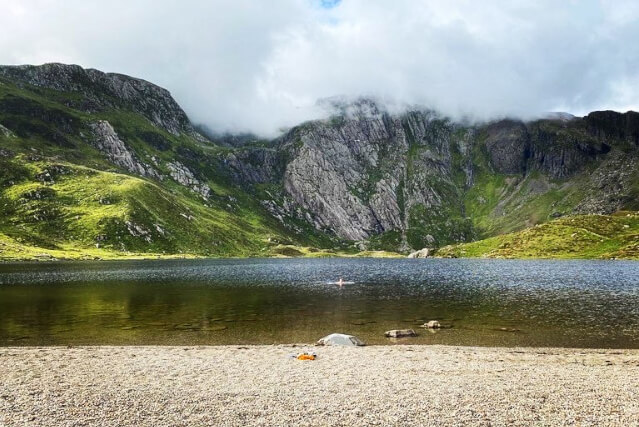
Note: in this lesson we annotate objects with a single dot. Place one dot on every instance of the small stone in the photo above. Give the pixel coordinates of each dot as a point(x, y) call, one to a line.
point(503, 329)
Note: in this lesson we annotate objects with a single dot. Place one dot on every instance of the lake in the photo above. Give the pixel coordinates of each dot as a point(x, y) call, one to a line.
point(266, 301)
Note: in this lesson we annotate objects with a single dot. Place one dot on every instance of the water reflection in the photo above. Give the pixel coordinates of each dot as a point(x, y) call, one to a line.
point(486, 302)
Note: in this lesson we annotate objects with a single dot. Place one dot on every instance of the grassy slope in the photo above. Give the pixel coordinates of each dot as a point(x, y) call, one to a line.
point(514, 216)
point(579, 236)
point(84, 207)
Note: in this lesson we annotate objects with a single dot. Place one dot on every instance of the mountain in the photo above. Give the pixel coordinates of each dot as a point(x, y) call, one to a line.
point(418, 179)
point(104, 165)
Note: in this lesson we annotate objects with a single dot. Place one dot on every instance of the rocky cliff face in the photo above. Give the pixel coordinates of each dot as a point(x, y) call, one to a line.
point(184, 176)
point(613, 126)
point(372, 172)
point(108, 142)
point(105, 90)
point(367, 173)
point(331, 170)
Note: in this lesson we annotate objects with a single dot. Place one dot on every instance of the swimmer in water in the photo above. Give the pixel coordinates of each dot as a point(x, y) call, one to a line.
point(340, 282)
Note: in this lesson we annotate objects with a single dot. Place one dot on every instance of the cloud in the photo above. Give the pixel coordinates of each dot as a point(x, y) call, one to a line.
point(261, 66)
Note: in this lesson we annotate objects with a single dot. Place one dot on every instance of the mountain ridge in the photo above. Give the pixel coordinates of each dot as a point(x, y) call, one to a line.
point(362, 179)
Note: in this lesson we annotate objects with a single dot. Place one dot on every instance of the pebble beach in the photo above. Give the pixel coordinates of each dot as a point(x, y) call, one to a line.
point(264, 385)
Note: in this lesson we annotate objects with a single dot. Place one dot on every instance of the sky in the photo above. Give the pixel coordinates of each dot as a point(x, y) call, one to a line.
point(261, 66)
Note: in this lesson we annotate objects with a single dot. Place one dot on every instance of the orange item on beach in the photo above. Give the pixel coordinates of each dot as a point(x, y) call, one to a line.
point(305, 356)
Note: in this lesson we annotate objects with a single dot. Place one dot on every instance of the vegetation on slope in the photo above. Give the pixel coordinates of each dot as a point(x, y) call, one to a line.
point(73, 211)
point(580, 236)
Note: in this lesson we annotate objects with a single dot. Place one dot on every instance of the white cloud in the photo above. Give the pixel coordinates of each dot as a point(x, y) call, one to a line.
point(259, 66)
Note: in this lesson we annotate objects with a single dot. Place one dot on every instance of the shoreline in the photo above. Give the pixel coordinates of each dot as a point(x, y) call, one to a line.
point(262, 385)
point(314, 347)
point(367, 254)
point(163, 257)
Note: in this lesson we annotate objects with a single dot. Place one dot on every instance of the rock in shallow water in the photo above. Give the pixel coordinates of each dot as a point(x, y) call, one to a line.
point(400, 333)
point(433, 324)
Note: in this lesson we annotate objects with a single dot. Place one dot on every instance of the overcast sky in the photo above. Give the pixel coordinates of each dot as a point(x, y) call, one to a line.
point(253, 65)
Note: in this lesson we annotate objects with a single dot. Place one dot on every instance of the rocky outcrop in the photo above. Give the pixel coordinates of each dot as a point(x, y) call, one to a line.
point(561, 149)
point(106, 90)
point(115, 149)
point(140, 231)
point(507, 144)
point(611, 185)
point(254, 165)
point(355, 174)
point(109, 143)
point(317, 184)
point(184, 176)
point(558, 147)
point(6, 132)
point(422, 253)
point(611, 126)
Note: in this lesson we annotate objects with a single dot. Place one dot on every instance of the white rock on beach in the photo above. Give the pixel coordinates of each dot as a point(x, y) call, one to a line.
point(340, 339)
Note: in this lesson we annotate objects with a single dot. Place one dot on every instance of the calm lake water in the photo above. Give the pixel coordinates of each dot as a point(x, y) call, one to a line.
point(484, 302)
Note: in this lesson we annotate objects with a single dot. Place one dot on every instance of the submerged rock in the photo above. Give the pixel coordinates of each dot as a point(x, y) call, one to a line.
point(400, 333)
point(433, 324)
point(340, 339)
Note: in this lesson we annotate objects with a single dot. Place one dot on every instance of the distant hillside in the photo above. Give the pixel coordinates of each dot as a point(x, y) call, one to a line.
point(580, 236)
point(105, 165)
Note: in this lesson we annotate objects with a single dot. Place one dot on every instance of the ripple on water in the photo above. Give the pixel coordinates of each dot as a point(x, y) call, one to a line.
point(549, 303)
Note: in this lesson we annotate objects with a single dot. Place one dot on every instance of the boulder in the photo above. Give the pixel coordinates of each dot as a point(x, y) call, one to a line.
point(400, 333)
point(433, 324)
point(422, 253)
point(340, 339)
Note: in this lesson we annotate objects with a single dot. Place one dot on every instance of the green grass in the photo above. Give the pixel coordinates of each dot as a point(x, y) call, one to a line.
point(84, 207)
point(579, 236)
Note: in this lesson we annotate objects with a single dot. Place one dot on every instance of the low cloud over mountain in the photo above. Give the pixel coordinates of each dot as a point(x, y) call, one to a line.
point(260, 66)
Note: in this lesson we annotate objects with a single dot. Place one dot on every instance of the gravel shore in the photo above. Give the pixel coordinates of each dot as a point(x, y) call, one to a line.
point(262, 385)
